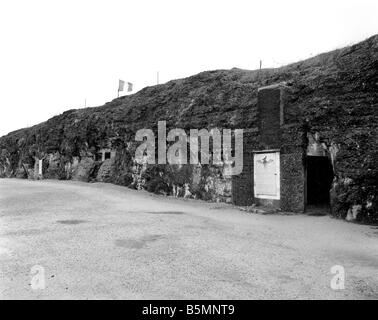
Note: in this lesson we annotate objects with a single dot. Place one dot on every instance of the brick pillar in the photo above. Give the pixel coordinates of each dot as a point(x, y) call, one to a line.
point(242, 184)
point(270, 116)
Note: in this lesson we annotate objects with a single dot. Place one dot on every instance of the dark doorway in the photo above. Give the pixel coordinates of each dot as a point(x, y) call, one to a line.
point(107, 155)
point(319, 180)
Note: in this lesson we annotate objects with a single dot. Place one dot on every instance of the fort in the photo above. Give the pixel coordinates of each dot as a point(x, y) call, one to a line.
point(309, 136)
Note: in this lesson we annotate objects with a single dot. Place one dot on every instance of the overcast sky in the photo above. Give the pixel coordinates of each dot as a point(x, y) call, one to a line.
point(54, 55)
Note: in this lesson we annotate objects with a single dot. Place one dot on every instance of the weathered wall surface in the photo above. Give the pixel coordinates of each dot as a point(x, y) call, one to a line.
point(334, 94)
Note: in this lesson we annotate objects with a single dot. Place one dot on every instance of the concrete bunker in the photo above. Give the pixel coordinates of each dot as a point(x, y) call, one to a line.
point(279, 169)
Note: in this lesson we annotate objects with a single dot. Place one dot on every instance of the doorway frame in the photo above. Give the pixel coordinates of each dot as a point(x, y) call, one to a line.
point(306, 205)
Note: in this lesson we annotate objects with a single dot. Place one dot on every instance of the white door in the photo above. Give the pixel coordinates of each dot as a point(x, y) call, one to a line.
point(267, 175)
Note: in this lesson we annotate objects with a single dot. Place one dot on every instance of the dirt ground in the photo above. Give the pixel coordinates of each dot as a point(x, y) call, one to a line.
point(101, 241)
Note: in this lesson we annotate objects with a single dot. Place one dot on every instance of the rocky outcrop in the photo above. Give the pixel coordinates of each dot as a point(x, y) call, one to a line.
point(106, 171)
point(83, 170)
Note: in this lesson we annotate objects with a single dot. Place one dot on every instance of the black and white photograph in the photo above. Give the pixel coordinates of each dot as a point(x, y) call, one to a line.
point(187, 155)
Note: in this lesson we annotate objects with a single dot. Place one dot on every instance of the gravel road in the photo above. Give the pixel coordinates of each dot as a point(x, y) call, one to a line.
point(64, 239)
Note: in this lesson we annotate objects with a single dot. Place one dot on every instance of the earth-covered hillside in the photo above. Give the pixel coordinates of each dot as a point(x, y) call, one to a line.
point(334, 94)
